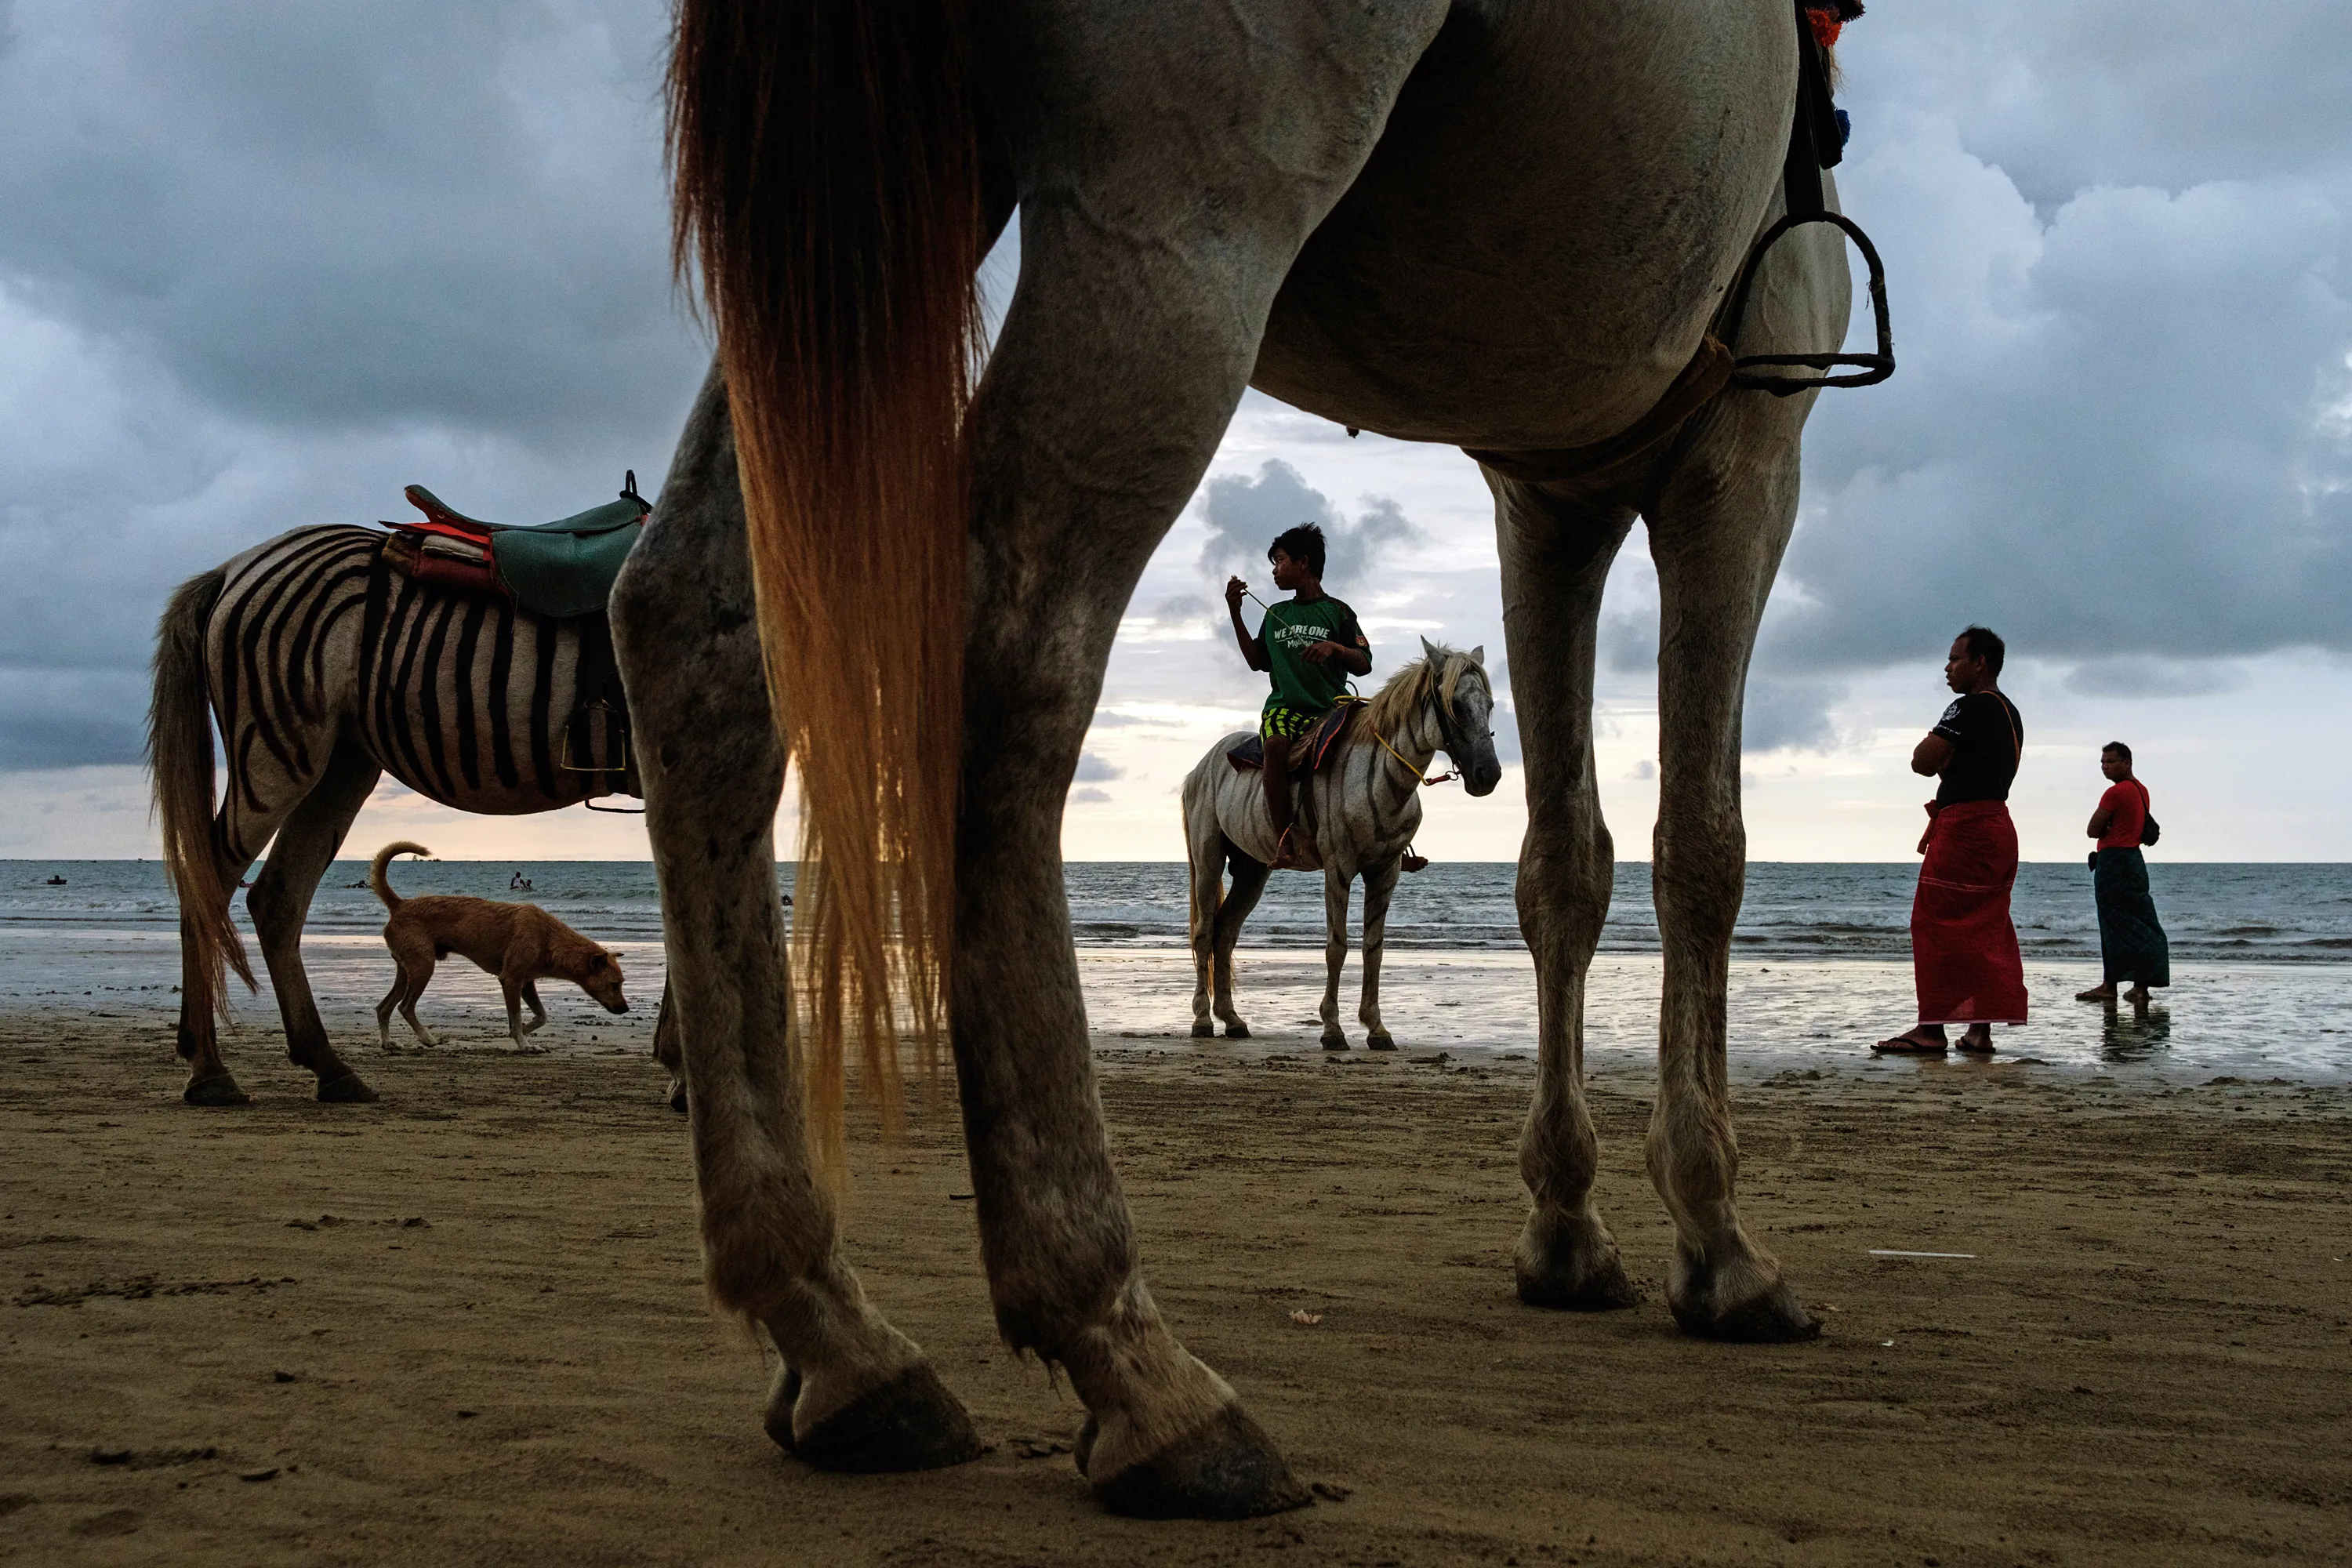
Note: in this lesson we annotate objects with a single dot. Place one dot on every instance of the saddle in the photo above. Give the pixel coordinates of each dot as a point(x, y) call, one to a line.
point(1249, 756)
point(561, 569)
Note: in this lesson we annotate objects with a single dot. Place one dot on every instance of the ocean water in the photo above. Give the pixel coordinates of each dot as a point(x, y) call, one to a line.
point(2214, 913)
point(1820, 968)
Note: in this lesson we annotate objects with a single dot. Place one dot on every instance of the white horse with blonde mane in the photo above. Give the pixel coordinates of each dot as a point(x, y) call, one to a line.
point(1360, 812)
point(1520, 227)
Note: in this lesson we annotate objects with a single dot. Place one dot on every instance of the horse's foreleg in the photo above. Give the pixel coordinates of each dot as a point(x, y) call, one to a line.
point(1717, 532)
point(1249, 884)
point(280, 904)
point(1380, 886)
point(1204, 856)
point(1337, 888)
point(1556, 556)
point(853, 1393)
point(667, 1052)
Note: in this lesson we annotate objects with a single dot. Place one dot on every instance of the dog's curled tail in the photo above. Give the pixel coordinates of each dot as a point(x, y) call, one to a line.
point(376, 883)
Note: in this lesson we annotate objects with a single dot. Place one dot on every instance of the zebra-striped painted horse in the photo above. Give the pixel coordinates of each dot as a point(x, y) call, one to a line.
point(326, 670)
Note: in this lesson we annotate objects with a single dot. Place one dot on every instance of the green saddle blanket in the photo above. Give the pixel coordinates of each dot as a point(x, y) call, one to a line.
point(562, 568)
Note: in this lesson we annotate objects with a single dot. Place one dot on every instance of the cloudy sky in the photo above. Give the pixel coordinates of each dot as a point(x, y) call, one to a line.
point(263, 264)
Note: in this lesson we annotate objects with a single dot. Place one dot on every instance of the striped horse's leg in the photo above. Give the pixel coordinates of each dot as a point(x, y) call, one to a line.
point(853, 1393)
point(210, 1082)
point(280, 901)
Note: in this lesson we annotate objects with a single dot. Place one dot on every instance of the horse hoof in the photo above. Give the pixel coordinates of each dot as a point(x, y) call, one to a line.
point(1600, 1287)
point(1227, 1469)
point(1335, 1042)
point(1205, 1031)
point(1773, 1316)
point(349, 1089)
point(1569, 1262)
point(1381, 1042)
point(219, 1088)
point(1237, 1030)
point(910, 1423)
point(677, 1095)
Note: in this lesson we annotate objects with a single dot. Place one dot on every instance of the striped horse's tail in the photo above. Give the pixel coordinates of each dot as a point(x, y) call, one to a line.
point(180, 766)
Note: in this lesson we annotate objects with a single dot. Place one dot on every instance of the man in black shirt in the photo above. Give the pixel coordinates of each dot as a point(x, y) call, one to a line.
point(1964, 950)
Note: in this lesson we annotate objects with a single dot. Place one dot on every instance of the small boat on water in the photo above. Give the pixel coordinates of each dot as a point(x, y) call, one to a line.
point(57, 881)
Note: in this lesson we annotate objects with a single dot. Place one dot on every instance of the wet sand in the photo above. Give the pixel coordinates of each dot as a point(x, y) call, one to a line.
point(465, 1325)
point(2245, 1020)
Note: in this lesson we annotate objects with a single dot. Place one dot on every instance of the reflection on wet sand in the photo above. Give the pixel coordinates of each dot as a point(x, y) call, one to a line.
point(2133, 1034)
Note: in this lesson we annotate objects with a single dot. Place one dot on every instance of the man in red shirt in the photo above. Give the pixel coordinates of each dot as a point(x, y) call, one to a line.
point(2132, 944)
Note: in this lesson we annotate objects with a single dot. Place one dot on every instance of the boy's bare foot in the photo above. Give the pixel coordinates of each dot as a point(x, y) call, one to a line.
point(2097, 993)
point(1926, 1040)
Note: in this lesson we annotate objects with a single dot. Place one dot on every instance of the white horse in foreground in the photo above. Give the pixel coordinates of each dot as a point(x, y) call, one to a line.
point(1361, 812)
point(1506, 226)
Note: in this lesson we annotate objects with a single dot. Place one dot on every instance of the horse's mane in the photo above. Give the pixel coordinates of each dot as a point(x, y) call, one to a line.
point(1393, 706)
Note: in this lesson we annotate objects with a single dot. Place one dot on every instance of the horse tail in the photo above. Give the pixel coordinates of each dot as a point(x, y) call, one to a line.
point(378, 883)
point(825, 178)
point(180, 769)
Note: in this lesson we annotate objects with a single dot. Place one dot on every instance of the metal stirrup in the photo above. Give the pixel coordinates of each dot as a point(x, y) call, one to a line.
point(1812, 128)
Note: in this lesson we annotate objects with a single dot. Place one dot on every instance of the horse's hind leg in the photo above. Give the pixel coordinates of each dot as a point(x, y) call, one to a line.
point(280, 901)
point(853, 1393)
point(1556, 557)
point(1380, 886)
point(1338, 887)
point(1249, 882)
point(1131, 336)
point(209, 1080)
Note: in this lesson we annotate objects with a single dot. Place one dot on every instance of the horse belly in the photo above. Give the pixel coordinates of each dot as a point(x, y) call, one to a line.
point(476, 719)
point(1553, 213)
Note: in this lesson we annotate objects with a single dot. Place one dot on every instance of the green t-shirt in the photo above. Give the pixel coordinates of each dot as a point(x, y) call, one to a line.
point(1290, 629)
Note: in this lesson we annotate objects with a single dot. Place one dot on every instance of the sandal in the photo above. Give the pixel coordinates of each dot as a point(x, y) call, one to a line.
point(1905, 1045)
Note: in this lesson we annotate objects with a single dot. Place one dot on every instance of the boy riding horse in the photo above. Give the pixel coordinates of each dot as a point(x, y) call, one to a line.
point(1310, 644)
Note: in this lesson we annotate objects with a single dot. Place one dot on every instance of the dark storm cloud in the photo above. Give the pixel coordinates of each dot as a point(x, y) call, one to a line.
point(2120, 241)
point(2167, 93)
point(1244, 514)
point(64, 720)
point(446, 211)
point(262, 264)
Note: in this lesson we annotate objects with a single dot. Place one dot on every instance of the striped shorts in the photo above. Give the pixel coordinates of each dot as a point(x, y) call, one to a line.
point(1284, 723)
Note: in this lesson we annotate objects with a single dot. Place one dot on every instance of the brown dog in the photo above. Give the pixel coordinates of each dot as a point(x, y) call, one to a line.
point(521, 943)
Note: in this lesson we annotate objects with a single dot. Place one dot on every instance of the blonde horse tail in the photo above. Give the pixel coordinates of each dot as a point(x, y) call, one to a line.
point(380, 885)
point(825, 178)
point(180, 769)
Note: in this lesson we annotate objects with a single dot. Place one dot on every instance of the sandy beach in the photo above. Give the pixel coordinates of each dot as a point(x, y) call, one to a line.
point(465, 1324)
